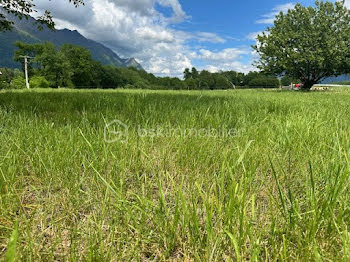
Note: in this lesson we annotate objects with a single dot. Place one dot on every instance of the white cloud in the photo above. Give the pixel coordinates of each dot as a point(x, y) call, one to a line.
point(225, 60)
point(253, 35)
point(179, 15)
point(270, 17)
point(228, 54)
point(347, 3)
point(155, 35)
point(137, 29)
point(208, 37)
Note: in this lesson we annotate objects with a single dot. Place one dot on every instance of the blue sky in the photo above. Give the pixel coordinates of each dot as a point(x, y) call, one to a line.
point(166, 36)
point(236, 23)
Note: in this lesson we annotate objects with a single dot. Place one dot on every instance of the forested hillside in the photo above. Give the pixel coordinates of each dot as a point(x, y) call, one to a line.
point(26, 31)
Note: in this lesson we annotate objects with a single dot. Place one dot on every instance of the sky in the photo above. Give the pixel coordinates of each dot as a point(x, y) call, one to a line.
point(167, 36)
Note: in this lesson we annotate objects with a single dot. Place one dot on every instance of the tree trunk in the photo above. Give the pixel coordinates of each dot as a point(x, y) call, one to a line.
point(307, 85)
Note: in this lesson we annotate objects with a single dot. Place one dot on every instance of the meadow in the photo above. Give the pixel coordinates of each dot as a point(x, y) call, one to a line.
point(276, 189)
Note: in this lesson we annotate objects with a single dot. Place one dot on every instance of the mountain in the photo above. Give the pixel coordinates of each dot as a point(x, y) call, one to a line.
point(341, 78)
point(26, 31)
point(131, 62)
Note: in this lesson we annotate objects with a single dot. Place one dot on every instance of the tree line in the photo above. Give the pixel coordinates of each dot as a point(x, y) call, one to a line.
point(71, 66)
point(228, 80)
point(309, 43)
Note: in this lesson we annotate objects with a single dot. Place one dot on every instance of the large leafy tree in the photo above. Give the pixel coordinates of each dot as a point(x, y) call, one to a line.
point(194, 73)
point(23, 9)
point(54, 65)
point(307, 43)
point(187, 74)
point(27, 50)
point(206, 80)
point(233, 77)
point(47, 61)
point(81, 63)
point(221, 82)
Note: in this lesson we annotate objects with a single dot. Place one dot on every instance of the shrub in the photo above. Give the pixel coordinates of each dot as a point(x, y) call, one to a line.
point(6, 77)
point(18, 83)
point(3, 84)
point(141, 85)
point(287, 80)
point(204, 86)
point(221, 82)
point(264, 82)
point(191, 84)
point(128, 86)
point(39, 82)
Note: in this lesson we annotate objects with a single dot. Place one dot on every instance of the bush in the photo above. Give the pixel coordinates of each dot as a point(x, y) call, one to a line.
point(264, 82)
point(221, 82)
point(39, 82)
point(191, 84)
point(6, 77)
point(3, 84)
point(18, 83)
point(141, 85)
point(128, 86)
point(287, 80)
point(204, 86)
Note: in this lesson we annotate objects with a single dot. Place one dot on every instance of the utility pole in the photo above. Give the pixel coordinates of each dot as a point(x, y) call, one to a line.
point(26, 69)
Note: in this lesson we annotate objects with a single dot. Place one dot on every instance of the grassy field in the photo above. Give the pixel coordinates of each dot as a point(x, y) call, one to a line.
point(277, 189)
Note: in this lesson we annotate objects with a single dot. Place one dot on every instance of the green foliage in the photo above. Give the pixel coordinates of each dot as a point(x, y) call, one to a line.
point(141, 85)
point(6, 77)
point(187, 74)
point(39, 82)
point(191, 84)
point(235, 78)
point(11, 252)
point(307, 43)
point(171, 83)
point(25, 49)
point(17, 72)
point(194, 73)
point(80, 63)
point(206, 81)
point(128, 76)
point(53, 65)
point(72, 66)
point(221, 82)
point(18, 83)
point(3, 85)
point(287, 80)
point(264, 82)
point(250, 76)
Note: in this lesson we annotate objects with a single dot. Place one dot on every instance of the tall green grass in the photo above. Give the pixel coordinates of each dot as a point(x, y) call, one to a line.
point(278, 190)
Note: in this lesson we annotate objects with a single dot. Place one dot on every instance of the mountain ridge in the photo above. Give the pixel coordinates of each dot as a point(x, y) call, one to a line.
point(341, 78)
point(26, 31)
